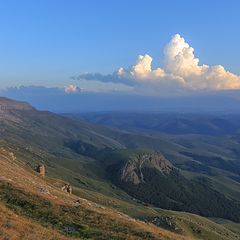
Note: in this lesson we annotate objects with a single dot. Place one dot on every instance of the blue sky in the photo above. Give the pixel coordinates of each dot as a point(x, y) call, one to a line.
point(45, 42)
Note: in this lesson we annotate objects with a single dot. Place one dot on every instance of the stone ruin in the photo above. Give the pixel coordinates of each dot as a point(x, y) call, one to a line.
point(41, 170)
point(67, 188)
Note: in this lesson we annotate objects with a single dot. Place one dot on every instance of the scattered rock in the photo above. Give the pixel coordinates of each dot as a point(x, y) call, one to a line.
point(67, 188)
point(167, 223)
point(44, 190)
point(70, 229)
point(76, 202)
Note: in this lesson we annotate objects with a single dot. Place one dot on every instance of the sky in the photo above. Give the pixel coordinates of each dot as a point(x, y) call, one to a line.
point(64, 43)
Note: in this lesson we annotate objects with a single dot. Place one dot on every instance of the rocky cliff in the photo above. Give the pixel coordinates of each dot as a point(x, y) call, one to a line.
point(132, 169)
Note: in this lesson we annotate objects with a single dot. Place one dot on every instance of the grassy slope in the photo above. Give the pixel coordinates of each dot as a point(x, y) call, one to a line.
point(24, 188)
point(54, 211)
point(13, 226)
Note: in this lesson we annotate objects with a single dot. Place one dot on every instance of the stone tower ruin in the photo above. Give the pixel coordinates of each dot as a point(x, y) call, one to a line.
point(41, 170)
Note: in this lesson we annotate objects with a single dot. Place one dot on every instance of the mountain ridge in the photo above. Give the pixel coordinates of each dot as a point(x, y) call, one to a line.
point(7, 104)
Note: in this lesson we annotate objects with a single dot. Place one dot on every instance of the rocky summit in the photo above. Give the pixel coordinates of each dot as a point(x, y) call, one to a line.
point(132, 169)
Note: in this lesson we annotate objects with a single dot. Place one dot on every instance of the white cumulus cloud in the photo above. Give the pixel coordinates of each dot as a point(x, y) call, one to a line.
point(142, 69)
point(181, 70)
point(181, 61)
point(72, 89)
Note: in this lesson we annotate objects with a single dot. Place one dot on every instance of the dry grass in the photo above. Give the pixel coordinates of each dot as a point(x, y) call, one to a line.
point(14, 227)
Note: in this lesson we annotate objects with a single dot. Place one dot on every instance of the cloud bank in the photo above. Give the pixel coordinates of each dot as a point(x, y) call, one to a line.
point(181, 71)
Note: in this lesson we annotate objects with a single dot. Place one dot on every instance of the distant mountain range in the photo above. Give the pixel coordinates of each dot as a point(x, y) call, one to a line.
point(56, 100)
point(211, 124)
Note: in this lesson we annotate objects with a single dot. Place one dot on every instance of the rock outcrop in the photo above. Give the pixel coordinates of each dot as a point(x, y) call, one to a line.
point(132, 169)
point(67, 188)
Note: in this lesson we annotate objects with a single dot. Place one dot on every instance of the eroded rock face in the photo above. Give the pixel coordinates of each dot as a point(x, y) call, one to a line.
point(132, 169)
